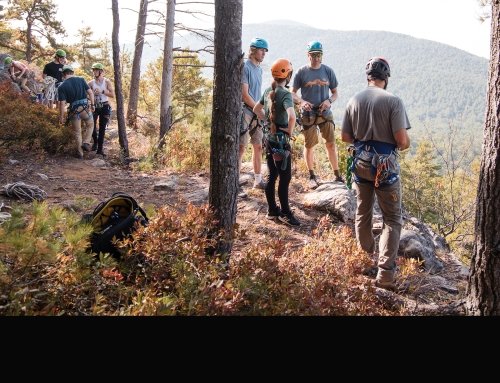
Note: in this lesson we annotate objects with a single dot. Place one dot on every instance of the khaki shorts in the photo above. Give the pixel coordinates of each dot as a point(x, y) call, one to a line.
point(255, 137)
point(326, 127)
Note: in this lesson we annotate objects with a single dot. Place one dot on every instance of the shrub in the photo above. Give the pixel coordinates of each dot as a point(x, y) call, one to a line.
point(24, 123)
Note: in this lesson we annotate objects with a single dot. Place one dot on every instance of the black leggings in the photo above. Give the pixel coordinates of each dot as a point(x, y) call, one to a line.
point(103, 114)
point(283, 184)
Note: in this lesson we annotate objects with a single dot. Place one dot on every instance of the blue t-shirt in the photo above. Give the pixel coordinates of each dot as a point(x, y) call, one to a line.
point(252, 75)
point(315, 84)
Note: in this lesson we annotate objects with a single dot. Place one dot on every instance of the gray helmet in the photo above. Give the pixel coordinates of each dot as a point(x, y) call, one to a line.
point(378, 67)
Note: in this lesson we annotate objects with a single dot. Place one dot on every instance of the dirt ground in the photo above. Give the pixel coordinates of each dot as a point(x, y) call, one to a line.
point(66, 180)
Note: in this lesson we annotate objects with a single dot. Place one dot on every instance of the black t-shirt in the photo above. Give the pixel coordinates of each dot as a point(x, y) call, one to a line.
point(53, 70)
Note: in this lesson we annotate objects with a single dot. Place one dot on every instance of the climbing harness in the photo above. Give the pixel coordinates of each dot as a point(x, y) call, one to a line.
point(252, 126)
point(49, 93)
point(76, 108)
point(351, 150)
point(382, 158)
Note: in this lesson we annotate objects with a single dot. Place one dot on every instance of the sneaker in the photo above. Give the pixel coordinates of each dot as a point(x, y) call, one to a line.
point(313, 183)
point(392, 286)
point(242, 193)
point(289, 219)
point(259, 185)
point(86, 147)
point(273, 214)
point(339, 179)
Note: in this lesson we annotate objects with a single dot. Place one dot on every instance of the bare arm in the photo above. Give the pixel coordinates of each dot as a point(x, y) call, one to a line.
point(258, 109)
point(347, 137)
point(325, 105)
point(61, 105)
point(90, 96)
point(402, 139)
point(109, 91)
point(291, 121)
point(302, 103)
point(245, 96)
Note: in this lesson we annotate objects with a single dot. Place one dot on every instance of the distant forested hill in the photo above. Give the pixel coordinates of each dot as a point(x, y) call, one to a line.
point(439, 84)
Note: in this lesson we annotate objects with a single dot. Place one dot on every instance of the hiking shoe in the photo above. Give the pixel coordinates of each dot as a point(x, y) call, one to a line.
point(289, 219)
point(274, 213)
point(259, 185)
point(94, 147)
point(86, 147)
point(313, 183)
point(242, 193)
point(392, 286)
point(339, 179)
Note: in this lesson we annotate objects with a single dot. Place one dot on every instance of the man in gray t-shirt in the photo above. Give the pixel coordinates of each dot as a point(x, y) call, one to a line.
point(375, 121)
point(315, 82)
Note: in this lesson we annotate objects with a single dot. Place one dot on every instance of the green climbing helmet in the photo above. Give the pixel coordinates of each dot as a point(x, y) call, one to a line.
point(97, 66)
point(67, 68)
point(7, 60)
point(314, 46)
point(61, 53)
point(257, 42)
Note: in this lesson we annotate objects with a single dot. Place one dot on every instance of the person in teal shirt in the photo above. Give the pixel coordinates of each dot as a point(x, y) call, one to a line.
point(276, 109)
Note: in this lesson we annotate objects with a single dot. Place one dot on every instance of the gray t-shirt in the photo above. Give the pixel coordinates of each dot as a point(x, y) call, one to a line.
point(315, 84)
point(374, 114)
point(252, 75)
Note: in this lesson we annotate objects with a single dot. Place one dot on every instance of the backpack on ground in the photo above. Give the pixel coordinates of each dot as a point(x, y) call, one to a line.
point(112, 219)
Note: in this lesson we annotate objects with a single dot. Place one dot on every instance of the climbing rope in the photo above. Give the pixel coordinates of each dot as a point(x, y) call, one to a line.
point(50, 88)
point(21, 190)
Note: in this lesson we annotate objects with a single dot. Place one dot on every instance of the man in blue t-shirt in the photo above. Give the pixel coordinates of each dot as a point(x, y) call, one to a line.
point(250, 130)
point(315, 82)
point(76, 92)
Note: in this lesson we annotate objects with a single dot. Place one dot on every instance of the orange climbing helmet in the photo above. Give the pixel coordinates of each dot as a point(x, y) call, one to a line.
point(281, 68)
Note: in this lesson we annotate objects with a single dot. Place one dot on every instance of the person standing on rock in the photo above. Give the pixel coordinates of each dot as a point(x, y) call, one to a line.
point(316, 81)
point(54, 70)
point(376, 123)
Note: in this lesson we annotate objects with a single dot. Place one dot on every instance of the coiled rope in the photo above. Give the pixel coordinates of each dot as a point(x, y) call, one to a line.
point(21, 190)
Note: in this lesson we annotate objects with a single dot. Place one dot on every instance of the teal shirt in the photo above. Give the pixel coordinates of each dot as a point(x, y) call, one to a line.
point(283, 102)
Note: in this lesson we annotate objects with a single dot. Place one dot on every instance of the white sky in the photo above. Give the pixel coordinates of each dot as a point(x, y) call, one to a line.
point(453, 22)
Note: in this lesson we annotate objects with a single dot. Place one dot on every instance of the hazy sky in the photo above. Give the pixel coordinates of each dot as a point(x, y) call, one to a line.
point(453, 22)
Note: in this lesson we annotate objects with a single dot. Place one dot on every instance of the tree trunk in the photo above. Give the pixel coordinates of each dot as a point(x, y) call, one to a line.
point(122, 131)
point(29, 40)
point(483, 291)
point(166, 77)
point(136, 65)
point(224, 140)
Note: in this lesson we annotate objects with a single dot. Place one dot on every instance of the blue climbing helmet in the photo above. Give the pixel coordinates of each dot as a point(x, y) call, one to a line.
point(314, 46)
point(378, 67)
point(257, 42)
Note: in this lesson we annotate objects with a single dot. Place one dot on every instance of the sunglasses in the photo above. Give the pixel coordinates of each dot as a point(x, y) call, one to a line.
point(316, 54)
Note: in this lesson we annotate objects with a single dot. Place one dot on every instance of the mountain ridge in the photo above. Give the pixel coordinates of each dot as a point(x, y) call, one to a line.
point(439, 84)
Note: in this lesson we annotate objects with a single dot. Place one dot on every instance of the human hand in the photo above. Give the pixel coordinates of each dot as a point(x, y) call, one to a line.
point(306, 105)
